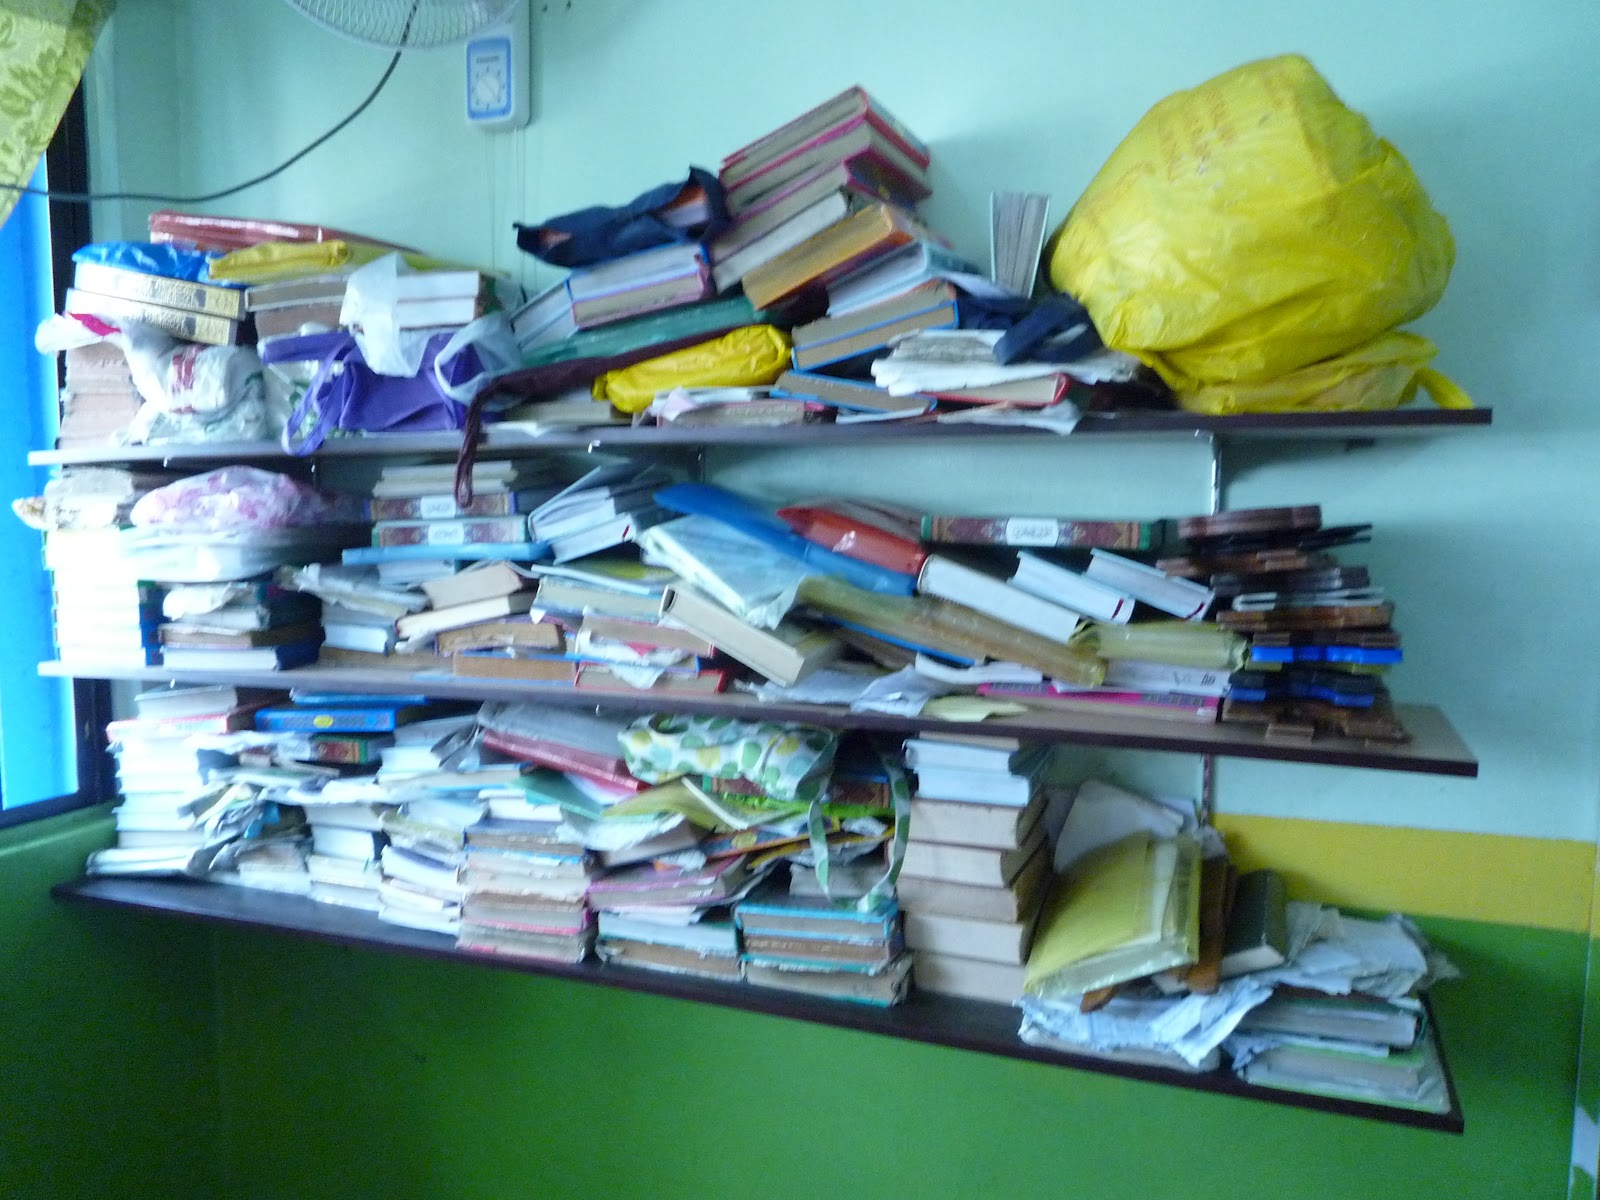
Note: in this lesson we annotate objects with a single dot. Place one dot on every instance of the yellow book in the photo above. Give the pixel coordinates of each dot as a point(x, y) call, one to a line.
point(1126, 911)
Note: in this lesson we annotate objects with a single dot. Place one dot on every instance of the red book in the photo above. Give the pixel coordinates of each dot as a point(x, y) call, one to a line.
point(206, 232)
point(849, 106)
point(876, 535)
point(599, 767)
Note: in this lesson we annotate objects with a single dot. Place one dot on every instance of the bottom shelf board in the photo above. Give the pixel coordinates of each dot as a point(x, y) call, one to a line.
point(939, 1020)
point(1434, 749)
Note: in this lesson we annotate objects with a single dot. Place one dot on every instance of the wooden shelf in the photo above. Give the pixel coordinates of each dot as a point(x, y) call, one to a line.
point(937, 1020)
point(1346, 425)
point(1434, 749)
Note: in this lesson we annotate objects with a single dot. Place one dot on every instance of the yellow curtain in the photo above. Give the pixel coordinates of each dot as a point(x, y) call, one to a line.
point(43, 47)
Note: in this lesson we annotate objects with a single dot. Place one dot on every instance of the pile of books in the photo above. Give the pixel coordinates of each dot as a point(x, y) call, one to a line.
point(806, 943)
point(424, 300)
point(103, 612)
point(416, 518)
point(526, 877)
point(172, 788)
point(976, 863)
point(209, 313)
point(250, 625)
point(791, 190)
point(99, 399)
point(1321, 633)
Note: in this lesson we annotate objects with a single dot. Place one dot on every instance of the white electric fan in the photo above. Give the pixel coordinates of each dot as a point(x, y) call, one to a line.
point(405, 24)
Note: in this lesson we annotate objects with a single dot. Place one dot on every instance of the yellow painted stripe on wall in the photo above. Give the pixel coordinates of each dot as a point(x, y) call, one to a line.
point(1541, 882)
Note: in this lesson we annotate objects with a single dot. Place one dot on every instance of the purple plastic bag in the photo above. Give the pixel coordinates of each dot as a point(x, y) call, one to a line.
point(347, 394)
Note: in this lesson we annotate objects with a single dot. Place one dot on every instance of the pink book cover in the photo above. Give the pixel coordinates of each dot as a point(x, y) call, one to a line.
point(887, 159)
point(863, 105)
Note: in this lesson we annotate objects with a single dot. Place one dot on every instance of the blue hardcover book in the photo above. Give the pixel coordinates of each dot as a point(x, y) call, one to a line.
point(857, 347)
point(385, 718)
point(705, 500)
point(355, 699)
point(371, 556)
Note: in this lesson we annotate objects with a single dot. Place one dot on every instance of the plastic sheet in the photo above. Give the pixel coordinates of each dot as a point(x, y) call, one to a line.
point(750, 356)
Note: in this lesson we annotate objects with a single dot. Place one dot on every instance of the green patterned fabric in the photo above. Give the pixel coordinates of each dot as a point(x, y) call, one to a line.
point(44, 45)
point(788, 762)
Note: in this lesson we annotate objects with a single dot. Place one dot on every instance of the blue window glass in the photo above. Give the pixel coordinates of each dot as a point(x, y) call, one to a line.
point(38, 752)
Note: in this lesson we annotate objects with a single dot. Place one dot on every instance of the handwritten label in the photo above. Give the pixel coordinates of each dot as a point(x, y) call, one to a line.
point(1030, 531)
point(447, 535)
point(436, 508)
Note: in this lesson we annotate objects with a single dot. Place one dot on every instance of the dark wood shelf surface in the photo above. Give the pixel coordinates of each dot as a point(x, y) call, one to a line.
point(938, 1020)
point(1399, 422)
point(1434, 748)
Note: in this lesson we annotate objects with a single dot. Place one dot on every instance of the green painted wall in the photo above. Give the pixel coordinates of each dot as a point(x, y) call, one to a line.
point(108, 1059)
point(381, 1077)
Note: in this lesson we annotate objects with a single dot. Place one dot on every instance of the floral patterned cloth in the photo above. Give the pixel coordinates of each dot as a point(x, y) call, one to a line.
point(788, 762)
point(43, 47)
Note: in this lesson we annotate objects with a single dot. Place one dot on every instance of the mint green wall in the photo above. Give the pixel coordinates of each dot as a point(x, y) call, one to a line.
point(394, 1078)
point(109, 1049)
point(1494, 103)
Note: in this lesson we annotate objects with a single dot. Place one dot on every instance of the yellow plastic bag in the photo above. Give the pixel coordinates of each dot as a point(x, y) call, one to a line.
point(268, 262)
point(750, 356)
point(1250, 227)
point(1384, 373)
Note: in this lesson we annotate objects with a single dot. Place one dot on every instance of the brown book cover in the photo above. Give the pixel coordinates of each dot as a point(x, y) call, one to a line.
point(834, 252)
point(977, 901)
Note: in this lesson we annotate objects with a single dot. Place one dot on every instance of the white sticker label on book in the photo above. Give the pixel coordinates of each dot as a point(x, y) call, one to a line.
point(436, 508)
point(447, 535)
point(1030, 531)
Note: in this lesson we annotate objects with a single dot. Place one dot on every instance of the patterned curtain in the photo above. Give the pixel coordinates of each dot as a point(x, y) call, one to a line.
point(43, 47)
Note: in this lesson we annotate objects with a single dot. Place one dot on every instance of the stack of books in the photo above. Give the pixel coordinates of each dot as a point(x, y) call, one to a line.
point(808, 944)
point(416, 518)
point(793, 188)
point(99, 399)
point(706, 946)
point(609, 506)
point(346, 842)
point(1321, 633)
point(359, 612)
point(471, 605)
point(192, 312)
point(103, 612)
point(252, 625)
point(309, 304)
point(422, 885)
point(976, 865)
point(1354, 1047)
point(525, 884)
point(660, 916)
point(164, 771)
point(347, 729)
point(435, 299)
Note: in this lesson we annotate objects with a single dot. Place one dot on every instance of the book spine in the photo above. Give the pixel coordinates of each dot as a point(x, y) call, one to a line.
point(104, 280)
point(1038, 531)
point(354, 751)
point(188, 326)
point(329, 720)
point(465, 531)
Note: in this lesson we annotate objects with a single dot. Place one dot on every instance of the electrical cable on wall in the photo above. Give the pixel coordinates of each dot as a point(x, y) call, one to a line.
point(160, 198)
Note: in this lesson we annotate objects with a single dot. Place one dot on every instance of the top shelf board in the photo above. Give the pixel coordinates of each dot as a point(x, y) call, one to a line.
point(1356, 426)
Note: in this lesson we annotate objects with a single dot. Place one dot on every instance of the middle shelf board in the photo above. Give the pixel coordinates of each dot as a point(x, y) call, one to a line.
point(1356, 426)
point(1434, 748)
point(979, 1026)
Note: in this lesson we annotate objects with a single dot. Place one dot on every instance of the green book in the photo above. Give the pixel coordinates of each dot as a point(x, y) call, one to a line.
point(709, 317)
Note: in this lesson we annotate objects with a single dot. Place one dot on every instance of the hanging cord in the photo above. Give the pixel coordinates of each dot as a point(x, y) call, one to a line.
point(160, 198)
